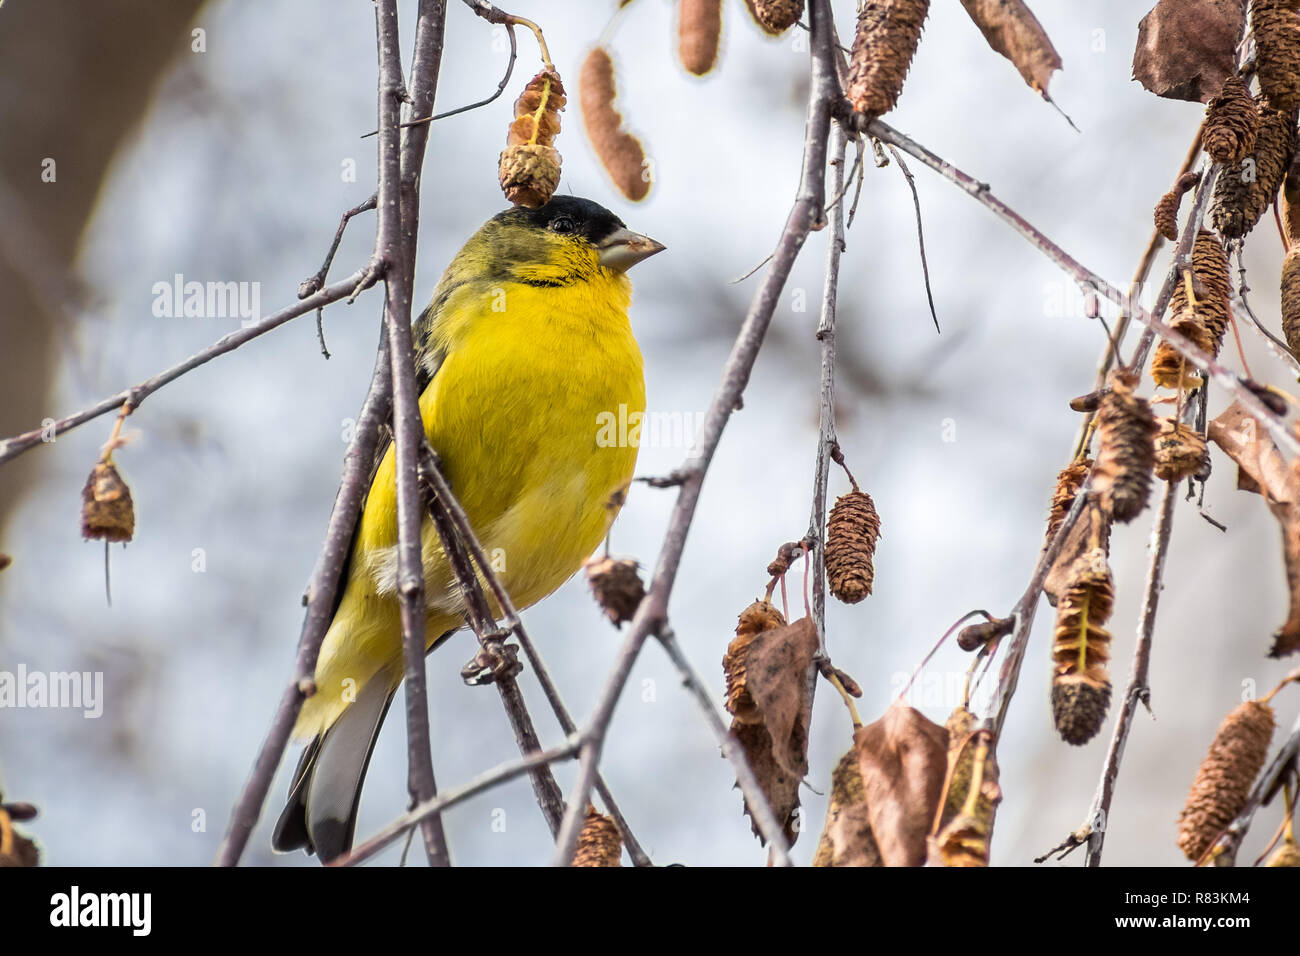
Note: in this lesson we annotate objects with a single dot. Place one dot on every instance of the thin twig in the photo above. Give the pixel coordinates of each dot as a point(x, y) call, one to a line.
point(1224, 377)
point(920, 234)
point(805, 216)
point(1139, 688)
point(485, 781)
point(14, 446)
point(408, 428)
point(315, 282)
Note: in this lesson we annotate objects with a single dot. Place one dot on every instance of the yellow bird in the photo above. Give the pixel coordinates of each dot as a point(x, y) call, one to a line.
point(523, 354)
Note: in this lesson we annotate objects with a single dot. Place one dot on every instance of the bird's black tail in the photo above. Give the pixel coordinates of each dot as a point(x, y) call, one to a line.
point(321, 815)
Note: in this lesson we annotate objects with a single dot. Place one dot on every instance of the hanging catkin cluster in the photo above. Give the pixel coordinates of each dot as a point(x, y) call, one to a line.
point(1276, 26)
point(1080, 683)
point(619, 151)
point(777, 16)
point(1203, 317)
point(529, 168)
point(1180, 451)
point(852, 530)
point(888, 34)
point(1291, 299)
point(1223, 781)
point(699, 28)
point(1231, 123)
point(1243, 191)
point(1126, 454)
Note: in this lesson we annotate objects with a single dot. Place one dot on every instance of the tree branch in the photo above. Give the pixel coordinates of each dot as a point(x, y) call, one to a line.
point(11, 448)
point(395, 253)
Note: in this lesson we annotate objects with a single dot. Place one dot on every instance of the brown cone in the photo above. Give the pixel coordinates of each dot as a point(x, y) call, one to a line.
point(1224, 778)
point(1291, 300)
point(1081, 650)
point(1203, 319)
point(777, 16)
point(1126, 450)
point(1276, 26)
point(851, 534)
point(1244, 190)
point(599, 843)
point(1068, 483)
point(1231, 123)
point(887, 37)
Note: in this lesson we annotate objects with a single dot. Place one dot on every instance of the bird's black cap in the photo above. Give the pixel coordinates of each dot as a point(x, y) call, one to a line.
point(568, 215)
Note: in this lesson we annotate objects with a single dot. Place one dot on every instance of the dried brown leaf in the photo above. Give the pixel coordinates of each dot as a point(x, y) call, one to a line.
point(767, 692)
point(1011, 29)
point(1262, 469)
point(1187, 48)
point(846, 837)
point(903, 757)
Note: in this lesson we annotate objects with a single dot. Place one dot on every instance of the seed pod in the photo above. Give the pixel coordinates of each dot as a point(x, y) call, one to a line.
point(1243, 191)
point(529, 167)
point(599, 843)
point(851, 534)
point(1276, 27)
point(1203, 319)
point(1126, 431)
point(699, 28)
point(1223, 781)
point(619, 151)
point(616, 585)
point(1081, 649)
point(1068, 483)
point(1291, 299)
point(1231, 123)
point(887, 36)
point(776, 16)
point(1288, 854)
point(1180, 451)
point(106, 508)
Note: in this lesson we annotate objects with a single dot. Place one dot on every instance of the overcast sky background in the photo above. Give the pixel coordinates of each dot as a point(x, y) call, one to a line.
point(236, 176)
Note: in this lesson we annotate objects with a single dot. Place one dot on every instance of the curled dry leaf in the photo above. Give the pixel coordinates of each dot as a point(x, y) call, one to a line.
point(699, 29)
point(1262, 469)
point(1011, 29)
point(846, 837)
point(619, 151)
point(767, 694)
point(1187, 48)
point(903, 757)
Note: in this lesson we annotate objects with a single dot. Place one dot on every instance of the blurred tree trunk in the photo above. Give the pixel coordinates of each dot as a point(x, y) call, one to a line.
point(75, 79)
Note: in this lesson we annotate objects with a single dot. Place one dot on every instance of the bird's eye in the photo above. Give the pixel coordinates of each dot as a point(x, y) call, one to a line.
point(562, 224)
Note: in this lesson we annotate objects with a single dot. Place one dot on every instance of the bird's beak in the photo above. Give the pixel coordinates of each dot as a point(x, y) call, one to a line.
point(623, 248)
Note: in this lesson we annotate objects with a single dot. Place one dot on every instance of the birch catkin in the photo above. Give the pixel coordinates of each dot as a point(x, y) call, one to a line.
point(1202, 318)
point(1126, 448)
point(1223, 781)
point(1231, 123)
point(699, 30)
point(887, 36)
point(1276, 26)
point(529, 167)
point(619, 151)
point(852, 530)
point(1291, 299)
point(1081, 650)
point(1244, 190)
